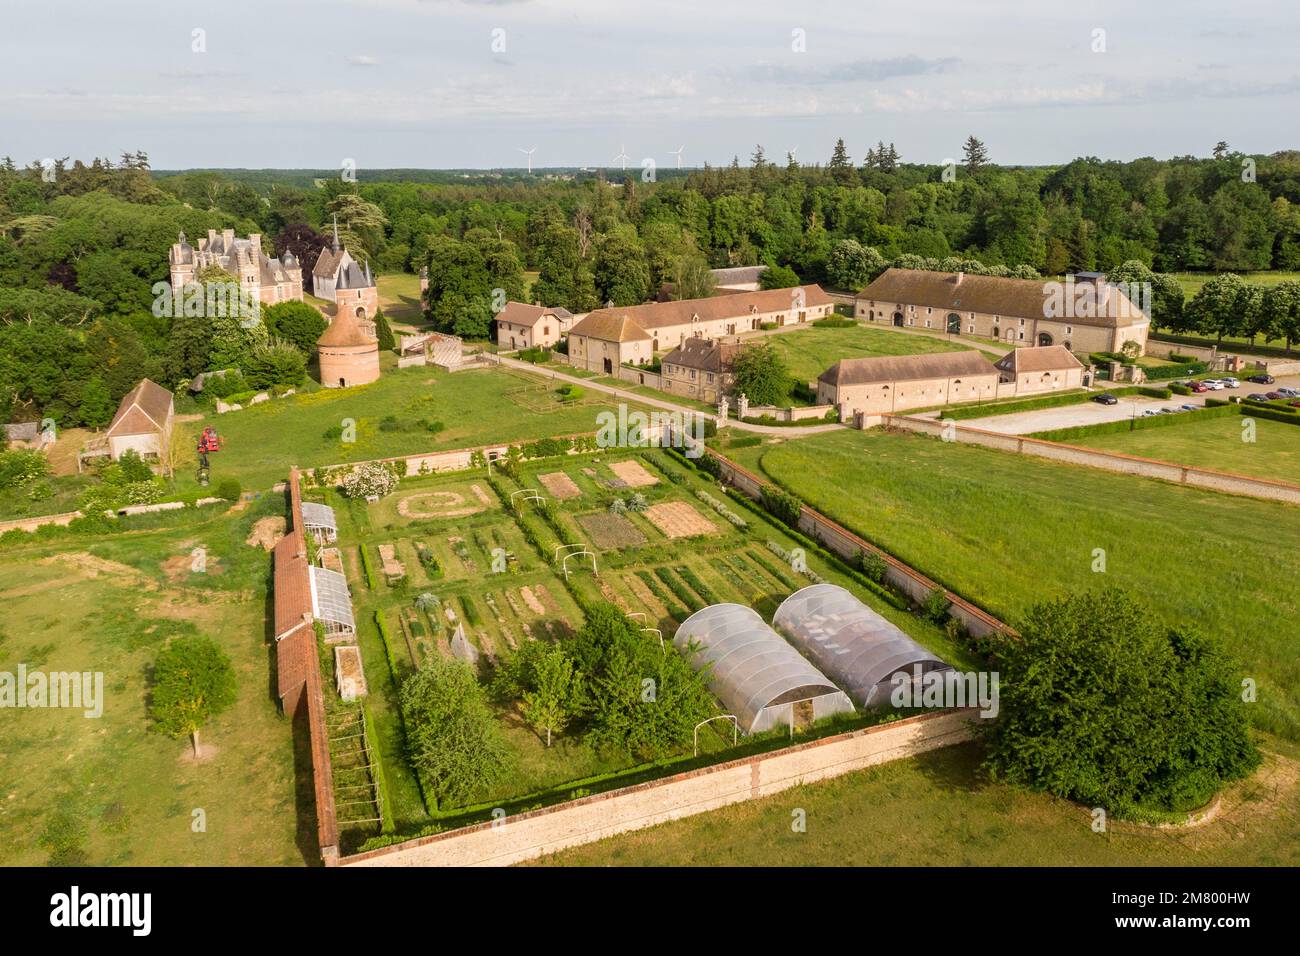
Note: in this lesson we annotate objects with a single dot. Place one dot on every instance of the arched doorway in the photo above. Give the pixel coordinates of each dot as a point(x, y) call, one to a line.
point(954, 323)
point(898, 319)
point(1011, 335)
point(1044, 339)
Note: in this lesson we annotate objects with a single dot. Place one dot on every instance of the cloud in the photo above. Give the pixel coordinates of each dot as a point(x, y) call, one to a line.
point(856, 71)
point(361, 59)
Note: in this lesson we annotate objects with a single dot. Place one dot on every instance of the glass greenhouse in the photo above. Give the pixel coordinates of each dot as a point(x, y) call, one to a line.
point(855, 646)
point(756, 674)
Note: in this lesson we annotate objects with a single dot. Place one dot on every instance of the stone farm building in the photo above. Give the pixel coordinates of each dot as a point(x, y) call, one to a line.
point(262, 278)
point(1036, 369)
point(631, 335)
point(699, 369)
point(1087, 316)
point(895, 383)
point(143, 422)
point(340, 279)
point(522, 326)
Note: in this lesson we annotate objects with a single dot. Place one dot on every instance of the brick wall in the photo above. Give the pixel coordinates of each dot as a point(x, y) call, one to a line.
point(539, 832)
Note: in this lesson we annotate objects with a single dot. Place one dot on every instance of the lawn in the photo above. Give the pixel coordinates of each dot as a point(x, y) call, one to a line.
point(1008, 531)
point(1213, 443)
point(109, 790)
point(811, 351)
point(399, 297)
point(474, 408)
point(498, 575)
point(937, 810)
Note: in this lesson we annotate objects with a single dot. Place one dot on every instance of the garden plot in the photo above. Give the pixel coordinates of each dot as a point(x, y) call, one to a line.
point(445, 503)
point(678, 519)
point(560, 486)
point(610, 532)
point(633, 474)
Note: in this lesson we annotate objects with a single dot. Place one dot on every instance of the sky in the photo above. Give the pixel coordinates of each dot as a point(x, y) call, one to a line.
point(471, 83)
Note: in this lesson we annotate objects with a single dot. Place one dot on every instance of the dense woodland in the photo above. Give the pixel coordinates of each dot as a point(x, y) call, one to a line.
point(83, 243)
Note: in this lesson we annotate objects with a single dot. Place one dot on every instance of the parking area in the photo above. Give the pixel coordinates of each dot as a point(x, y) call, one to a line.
point(1092, 413)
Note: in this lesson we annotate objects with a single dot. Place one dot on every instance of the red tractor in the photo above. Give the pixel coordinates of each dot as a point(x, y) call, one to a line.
point(208, 442)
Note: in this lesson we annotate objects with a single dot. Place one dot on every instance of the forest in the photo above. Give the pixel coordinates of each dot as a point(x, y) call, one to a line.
point(83, 242)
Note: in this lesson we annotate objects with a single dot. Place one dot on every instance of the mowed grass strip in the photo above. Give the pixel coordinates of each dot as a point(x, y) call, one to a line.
point(1009, 531)
point(937, 810)
point(1214, 443)
point(811, 351)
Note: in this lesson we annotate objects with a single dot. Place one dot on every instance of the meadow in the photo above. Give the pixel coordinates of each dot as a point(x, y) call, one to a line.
point(1213, 443)
point(471, 408)
point(110, 790)
point(937, 809)
point(1008, 531)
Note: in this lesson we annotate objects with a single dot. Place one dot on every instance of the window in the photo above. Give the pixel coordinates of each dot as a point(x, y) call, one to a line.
point(692, 375)
point(709, 378)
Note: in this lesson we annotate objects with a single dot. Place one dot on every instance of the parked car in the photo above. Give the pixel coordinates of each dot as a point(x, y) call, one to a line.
point(1231, 382)
point(1198, 387)
point(1261, 379)
point(1274, 396)
point(1213, 384)
point(1169, 411)
point(1149, 413)
point(1256, 397)
point(1289, 392)
point(1293, 404)
point(1105, 398)
point(1190, 408)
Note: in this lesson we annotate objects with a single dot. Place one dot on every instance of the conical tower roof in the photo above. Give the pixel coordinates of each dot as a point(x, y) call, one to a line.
point(344, 331)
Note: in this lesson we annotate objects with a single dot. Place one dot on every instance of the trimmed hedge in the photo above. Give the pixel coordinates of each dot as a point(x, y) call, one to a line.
point(369, 569)
point(1161, 372)
point(1007, 408)
point(1134, 424)
point(1150, 392)
point(389, 825)
point(387, 640)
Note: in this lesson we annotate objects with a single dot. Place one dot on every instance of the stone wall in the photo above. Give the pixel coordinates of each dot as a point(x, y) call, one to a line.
point(1223, 481)
point(539, 832)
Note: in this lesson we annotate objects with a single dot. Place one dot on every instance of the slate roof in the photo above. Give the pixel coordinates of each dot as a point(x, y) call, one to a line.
point(705, 355)
point(994, 295)
point(907, 368)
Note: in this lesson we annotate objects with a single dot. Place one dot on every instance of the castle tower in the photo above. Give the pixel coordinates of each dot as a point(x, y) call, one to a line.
point(357, 294)
point(180, 263)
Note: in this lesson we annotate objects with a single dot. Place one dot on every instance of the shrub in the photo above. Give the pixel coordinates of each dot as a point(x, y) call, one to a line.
point(21, 466)
point(935, 606)
point(873, 565)
point(781, 504)
point(229, 489)
point(369, 480)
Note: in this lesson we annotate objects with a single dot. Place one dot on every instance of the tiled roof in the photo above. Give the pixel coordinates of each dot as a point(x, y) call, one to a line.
point(1042, 358)
point(659, 315)
point(705, 355)
point(608, 327)
point(144, 409)
point(993, 295)
point(738, 274)
point(520, 313)
point(907, 368)
point(343, 331)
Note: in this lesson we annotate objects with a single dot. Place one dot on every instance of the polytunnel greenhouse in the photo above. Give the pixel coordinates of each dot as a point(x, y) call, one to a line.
point(756, 674)
point(851, 643)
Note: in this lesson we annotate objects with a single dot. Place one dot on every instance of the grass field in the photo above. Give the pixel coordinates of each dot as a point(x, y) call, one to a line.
point(110, 791)
point(811, 351)
point(937, 810)
point(399, 297)
point(460, 521)
point(474, 407)
point(1008, 531)
point(1213, 443)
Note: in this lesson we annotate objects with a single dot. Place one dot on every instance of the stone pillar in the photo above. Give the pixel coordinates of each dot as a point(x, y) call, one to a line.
point(742, 405)
point(723, 408)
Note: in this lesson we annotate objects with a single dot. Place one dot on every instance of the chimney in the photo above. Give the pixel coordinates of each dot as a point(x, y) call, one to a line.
point(227, 238)
point(960, 276)
point(255, 240)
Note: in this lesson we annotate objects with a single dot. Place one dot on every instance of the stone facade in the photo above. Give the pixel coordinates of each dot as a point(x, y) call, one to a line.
point(522, 326)
point(874, 386)
point(261, 278)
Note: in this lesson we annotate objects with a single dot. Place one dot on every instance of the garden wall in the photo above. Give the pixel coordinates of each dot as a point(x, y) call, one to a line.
point(31, 524)
point(539, 832)
point(848, 545)
point(1223, 481)
point(638, 376)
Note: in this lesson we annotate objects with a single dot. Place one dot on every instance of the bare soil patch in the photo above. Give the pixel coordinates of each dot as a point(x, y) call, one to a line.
point(678, 519)
point(532, 600)
point(610, 531)
point(437, 504)
point(560, 486)
point(633, 474)
point(179, 567)
point(266, 533)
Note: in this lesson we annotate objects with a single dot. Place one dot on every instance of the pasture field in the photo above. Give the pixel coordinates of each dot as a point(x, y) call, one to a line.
point(1009, 531)
point(472, 408)
point(110, 790)
point(1213, 443)
point(495, 572)
point(399, 297)
point(936, 809)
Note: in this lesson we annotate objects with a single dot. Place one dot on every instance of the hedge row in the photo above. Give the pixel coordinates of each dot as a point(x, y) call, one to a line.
point(368, 568)
point(1007, 408)
point(389, 825)
point(387, 640)
point(1134, 424)
point(1161, 372)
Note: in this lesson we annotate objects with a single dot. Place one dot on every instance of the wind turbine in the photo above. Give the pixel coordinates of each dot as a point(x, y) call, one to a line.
point(678, 153)
point(622, 155)
point(529, 153)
